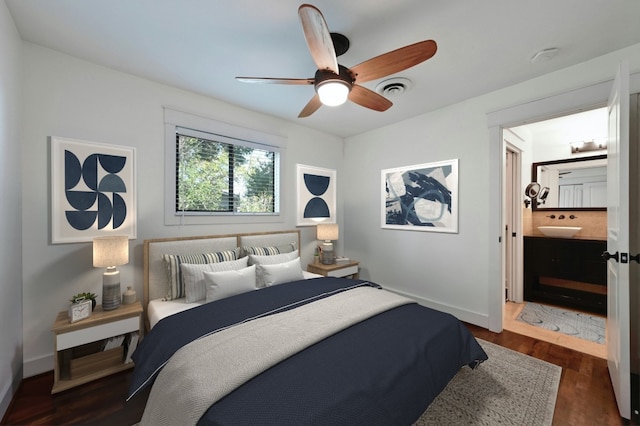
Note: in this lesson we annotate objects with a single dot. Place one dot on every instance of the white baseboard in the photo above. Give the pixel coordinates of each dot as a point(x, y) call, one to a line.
point(8, 391)
point(475, 318)
point(36, 366)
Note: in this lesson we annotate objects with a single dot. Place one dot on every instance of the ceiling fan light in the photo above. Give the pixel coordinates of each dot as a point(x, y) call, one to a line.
point(333, 92)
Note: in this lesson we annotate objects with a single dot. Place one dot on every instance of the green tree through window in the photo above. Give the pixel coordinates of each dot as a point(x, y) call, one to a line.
point(219, 177)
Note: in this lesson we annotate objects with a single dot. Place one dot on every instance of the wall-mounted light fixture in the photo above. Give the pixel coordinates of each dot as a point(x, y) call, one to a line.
point(588, 146)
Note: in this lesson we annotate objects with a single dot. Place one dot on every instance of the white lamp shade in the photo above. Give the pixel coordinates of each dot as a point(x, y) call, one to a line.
point(333, 93)
point(327, 231)
point(112, 250)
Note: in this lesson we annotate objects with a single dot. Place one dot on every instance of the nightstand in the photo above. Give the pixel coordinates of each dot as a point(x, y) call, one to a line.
point(340, 269)
point(78, 348)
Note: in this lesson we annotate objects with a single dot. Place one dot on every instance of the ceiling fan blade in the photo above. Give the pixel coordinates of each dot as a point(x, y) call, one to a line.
point(318, 38)
point(267, 80)
point(369, 99)
point(394, 61)
point(311, 107)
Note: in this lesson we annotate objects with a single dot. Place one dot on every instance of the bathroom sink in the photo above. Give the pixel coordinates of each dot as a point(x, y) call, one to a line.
point(559, 231)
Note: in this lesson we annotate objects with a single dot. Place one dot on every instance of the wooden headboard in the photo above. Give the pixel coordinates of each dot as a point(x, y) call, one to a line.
point(155, 275)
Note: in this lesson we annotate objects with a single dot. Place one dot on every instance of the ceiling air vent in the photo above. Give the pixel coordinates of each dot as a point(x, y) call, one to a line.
point(393, 87)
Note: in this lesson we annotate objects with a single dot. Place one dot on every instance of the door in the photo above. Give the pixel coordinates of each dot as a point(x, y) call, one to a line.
point(618, 326)
point(513, 225)
point(509, 227)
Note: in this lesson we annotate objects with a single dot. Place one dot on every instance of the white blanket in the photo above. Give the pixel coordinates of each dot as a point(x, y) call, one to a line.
point(207, 369)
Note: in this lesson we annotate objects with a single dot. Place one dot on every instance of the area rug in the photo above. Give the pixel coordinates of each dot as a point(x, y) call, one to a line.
point(508, 389)
point(578, 324)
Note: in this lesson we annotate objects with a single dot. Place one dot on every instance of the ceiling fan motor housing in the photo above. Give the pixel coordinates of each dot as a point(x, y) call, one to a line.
point(326, 76)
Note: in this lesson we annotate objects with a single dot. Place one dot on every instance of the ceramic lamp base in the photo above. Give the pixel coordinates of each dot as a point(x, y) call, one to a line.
point(111, 295)
point(327, 253)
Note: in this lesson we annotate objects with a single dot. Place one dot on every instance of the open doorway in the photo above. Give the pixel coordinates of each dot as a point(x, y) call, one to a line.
point(563, 139)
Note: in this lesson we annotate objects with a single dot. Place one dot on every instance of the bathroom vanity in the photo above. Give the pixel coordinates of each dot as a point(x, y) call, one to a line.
point(566, 271)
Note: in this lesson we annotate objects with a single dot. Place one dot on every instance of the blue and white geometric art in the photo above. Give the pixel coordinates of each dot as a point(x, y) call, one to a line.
point(316, 195)
point(93, 190)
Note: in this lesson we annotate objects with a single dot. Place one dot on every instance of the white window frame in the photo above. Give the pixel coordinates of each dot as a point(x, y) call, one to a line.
point(177, 121)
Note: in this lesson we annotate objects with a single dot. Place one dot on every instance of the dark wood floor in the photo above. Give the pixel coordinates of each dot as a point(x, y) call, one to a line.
point(585, 396)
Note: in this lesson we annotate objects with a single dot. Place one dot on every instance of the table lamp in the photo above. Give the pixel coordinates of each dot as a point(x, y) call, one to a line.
point(109, 252)
point(327, 232)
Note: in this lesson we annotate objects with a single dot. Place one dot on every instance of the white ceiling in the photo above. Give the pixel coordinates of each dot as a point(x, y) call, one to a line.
point(201, 45)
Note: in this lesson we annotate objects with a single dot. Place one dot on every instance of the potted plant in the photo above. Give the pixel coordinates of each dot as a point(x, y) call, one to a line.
point(85, 296)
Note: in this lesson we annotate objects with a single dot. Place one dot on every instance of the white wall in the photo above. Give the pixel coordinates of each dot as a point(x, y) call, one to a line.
point(453, 272)
point(64, 96)
point(10, 217)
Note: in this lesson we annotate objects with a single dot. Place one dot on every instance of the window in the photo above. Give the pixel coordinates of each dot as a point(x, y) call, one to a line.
point(214, 175)
point(218, 173)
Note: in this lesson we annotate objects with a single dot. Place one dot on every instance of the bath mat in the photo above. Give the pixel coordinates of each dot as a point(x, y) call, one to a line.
point(578, 324)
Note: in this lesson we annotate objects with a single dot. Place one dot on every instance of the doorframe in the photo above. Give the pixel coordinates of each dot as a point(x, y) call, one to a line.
point(513, 196)
point(570, 102)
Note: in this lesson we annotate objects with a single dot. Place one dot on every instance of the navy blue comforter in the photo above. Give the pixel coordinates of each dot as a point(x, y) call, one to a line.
point(383, 371)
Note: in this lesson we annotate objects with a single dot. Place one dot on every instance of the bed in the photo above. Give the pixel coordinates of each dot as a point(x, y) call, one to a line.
point(299, 349)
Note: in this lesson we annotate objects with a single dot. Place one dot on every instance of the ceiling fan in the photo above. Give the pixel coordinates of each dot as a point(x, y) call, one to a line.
point(334, 83)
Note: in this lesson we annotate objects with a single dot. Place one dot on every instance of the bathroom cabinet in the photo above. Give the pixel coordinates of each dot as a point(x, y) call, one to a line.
point(565, 271)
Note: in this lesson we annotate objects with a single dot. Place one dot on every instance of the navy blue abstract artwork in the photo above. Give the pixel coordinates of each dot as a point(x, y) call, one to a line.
point(103, 192)
point(316, 195)
point(316, 185)
point(92, 190)
point(421, 197)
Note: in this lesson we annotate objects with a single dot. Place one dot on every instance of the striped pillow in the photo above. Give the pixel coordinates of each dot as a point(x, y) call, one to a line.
point(176, 289)
point(271, 250)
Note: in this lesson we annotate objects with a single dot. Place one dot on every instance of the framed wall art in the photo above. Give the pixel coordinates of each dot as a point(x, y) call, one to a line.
point(423, 197)
point(93, 190)
point(316, 191)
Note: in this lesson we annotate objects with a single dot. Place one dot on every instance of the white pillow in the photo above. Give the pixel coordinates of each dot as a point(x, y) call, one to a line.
point(193, 276)
point(172, 264)
point(269, 260)
point(281, 272)
point(229, 283)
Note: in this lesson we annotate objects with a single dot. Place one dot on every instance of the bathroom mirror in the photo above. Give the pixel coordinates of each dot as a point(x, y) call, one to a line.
point(574, 183)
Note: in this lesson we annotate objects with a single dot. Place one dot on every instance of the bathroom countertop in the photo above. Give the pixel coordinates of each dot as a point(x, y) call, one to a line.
point(575, 237)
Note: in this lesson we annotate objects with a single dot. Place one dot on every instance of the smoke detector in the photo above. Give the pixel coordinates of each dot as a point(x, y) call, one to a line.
point(393, 86)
